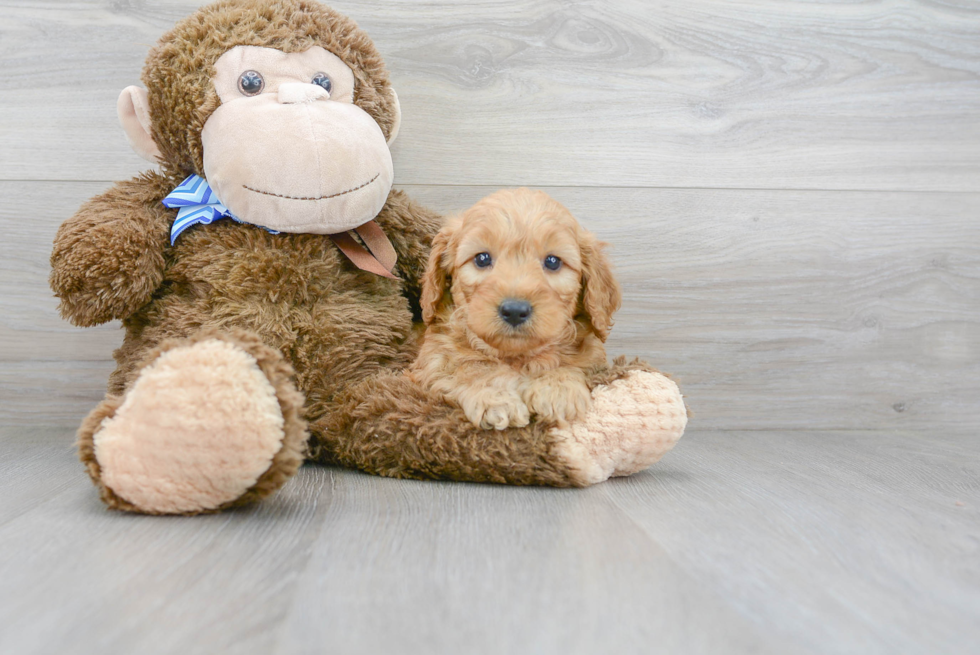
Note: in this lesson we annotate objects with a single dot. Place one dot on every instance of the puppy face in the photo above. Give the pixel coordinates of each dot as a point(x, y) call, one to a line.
point(519, 270)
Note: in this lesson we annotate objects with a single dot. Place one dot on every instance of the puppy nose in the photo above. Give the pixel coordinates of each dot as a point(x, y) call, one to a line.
point(515, 312)
point(291, 93)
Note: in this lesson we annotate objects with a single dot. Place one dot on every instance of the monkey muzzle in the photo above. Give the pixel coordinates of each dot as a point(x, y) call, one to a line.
point(295, 161)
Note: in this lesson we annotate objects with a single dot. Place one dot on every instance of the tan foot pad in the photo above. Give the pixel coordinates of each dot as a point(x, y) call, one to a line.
point(633, 422)
point(195, 431)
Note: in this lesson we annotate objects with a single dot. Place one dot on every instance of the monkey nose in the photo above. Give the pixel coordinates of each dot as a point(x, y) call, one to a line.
point(292, 93)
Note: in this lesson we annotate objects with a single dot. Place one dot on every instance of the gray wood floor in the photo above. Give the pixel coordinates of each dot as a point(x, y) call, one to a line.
point(792, 195)
point(739, 542)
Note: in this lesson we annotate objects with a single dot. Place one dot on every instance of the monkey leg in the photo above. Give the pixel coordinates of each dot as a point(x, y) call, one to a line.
point(388, 425)
point(208, 423)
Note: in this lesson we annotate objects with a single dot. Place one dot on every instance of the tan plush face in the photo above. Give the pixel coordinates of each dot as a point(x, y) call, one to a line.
point(518, 272)
point(287, 149)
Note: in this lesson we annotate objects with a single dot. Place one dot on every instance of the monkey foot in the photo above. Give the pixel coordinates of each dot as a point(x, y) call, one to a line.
point(210, 423)
point(634, 421)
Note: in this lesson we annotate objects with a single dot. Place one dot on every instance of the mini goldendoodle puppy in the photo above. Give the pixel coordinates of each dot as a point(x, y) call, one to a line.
point(518, 299)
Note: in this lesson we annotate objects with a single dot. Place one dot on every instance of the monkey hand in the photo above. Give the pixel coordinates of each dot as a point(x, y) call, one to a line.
point(108, 258)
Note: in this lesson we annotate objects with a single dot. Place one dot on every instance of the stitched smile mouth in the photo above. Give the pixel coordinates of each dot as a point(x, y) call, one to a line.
point(342, 193)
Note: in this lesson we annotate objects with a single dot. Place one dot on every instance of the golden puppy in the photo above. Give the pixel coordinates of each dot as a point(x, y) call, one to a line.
point(518, 299)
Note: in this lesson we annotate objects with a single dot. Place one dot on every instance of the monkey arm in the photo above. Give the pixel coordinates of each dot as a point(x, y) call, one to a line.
point(390, 425)
point(410, 228)
point(108, 258)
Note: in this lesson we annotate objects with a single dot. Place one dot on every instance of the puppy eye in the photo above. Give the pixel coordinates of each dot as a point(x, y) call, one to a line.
point(323, 81)
point(483, 260)
point(250, 83)
point(552, 263)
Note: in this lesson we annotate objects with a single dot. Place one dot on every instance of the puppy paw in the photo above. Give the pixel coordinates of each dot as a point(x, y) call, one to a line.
point(501, 417)
point(560, 402)
point(498, 413)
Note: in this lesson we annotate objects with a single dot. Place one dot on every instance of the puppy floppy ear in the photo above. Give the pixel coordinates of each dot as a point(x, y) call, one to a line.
point(601, 295)
point(436, 277)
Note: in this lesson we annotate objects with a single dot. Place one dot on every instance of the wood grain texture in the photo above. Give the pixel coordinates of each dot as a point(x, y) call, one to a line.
point(840, 542)
point(774, 310)
point(739, 542)
point(447, 568)
point(693, 93)
point(77, 578)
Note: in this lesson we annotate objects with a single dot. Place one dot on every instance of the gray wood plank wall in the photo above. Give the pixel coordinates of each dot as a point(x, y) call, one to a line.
point(791, 189)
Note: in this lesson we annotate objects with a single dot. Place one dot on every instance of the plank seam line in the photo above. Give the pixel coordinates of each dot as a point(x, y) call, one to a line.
point(598, 186)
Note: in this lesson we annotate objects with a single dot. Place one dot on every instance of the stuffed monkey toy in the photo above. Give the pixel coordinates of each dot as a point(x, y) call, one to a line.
point(268, 279)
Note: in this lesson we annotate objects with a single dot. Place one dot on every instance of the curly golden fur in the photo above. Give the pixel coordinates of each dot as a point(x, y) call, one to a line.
point(510, 337)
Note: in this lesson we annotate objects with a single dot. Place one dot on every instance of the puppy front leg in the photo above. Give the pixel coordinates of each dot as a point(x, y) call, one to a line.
point(560, 395)
point(491, 401)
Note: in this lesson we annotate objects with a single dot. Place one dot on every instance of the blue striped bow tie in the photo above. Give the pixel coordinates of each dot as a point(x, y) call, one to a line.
point(197, 204)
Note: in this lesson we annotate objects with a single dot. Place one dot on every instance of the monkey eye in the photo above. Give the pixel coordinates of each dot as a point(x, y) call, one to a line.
point(552, 263)
point(250, 83)
point(322, 80)
point(483, 260)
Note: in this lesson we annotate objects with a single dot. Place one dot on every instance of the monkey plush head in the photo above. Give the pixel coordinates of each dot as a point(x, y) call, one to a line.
point(283, 106)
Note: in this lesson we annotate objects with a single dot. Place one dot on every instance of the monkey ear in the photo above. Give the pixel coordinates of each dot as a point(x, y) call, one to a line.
point(133, 108)
point(398, 118)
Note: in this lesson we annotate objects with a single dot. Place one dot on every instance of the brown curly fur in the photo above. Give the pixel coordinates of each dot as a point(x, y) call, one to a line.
point(409, 432)
point(313, 320)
